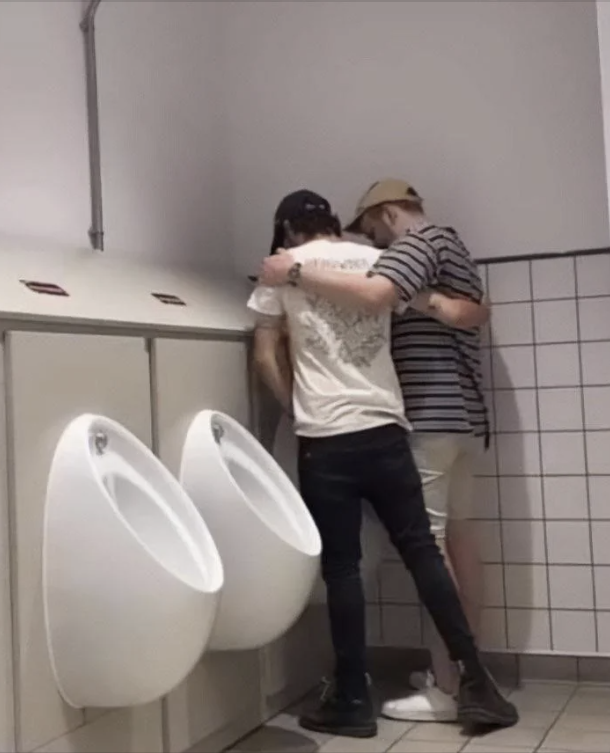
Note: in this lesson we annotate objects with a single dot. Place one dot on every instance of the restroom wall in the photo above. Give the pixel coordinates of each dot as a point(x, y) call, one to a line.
point(210, 111)
point(493, 110)
point(161, 128)
point(543, 492)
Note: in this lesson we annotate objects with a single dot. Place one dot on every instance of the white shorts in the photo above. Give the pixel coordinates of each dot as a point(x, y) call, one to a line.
point(446, 463)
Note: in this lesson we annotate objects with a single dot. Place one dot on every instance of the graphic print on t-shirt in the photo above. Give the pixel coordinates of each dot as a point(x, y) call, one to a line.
point(358, 337)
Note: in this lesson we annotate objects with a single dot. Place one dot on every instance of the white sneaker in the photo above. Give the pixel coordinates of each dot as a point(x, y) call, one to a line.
point(421, 680)
point(429, 705)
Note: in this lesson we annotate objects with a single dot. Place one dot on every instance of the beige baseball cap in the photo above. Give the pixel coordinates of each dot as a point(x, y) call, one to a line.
point(382, 192)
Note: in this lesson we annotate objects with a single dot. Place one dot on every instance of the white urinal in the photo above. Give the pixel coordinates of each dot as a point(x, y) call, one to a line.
point(131, 576)
point(285, 451)
point(268, 542)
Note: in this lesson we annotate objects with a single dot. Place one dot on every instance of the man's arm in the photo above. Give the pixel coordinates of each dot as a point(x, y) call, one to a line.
point(405, 269)
point(372, 294)
point(270, 354)
point(400, 278)
point(458, 312)
point(271, 362)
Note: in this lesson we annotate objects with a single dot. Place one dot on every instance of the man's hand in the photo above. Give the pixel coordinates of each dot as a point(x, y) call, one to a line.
point(451, 309)
point(275, 269)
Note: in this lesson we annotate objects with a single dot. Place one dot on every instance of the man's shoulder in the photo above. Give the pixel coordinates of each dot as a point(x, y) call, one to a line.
point(444, 239)
point(336, 252)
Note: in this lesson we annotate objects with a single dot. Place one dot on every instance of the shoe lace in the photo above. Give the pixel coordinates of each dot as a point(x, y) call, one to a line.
point(329, 686)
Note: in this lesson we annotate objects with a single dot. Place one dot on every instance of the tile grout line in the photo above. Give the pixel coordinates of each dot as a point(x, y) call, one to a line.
point(557, 718)
point(586, 462)
point(497, 484)
point(541, 465)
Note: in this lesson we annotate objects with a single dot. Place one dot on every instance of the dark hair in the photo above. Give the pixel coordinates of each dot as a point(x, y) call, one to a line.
point(312, 224)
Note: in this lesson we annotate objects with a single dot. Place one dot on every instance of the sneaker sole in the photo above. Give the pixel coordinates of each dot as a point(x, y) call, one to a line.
point(366, 731)
point(475, 715)
point(422, 716)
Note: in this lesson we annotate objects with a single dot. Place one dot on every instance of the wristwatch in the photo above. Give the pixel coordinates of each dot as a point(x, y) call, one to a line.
point(294, 274)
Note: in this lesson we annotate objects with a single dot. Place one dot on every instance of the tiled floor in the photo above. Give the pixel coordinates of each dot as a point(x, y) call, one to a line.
point(555, 718)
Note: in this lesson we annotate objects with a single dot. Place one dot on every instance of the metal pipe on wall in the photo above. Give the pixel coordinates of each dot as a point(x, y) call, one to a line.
point(87, 25)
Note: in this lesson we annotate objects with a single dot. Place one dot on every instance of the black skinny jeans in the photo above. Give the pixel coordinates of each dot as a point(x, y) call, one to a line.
point(336, 473)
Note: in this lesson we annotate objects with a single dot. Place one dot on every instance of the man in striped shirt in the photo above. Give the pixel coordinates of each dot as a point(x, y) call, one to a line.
point(440, 375)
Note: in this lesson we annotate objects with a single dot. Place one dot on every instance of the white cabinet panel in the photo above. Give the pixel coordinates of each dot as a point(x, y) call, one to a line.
point(223, 693)
point(121, 730)
point(7, 732)
point(54, 378)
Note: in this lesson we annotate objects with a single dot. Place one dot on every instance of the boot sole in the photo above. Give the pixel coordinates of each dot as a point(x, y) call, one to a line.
point(476, 715)
point(369, 730)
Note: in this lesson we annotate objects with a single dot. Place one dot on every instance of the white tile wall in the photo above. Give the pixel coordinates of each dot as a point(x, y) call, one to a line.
point(518, 454)
point(560, 409)
point(600, 534)
point(602, 587)
point(565, 497)
point(555, 280)
point(527, 586)
point(571, 587)
point(514, 367)
point(543, 490)
point(529, 630)
point(568, 542)
point(593, 275)
point(557, 365)
point(574, 632)
point(594, 316)
point(595, 362)
point(512, 324)
point(598, 453)
point(555, 322)
point(523, 541)
point(508, 283)
point(563, 453)
point(597, 407)
point(515, 410)
point(599, 497)
point(521, 497)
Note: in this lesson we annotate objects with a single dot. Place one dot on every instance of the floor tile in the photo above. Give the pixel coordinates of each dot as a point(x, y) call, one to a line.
point(418, 746)
point(514, 737)
point(588, 705)
point(290, 722)
point(274, 739)
point(389, 733)
point(542, 697)
point(578, 741)
point(474, 747)
point(591, 722)
point(537, 719)
point(440, 733)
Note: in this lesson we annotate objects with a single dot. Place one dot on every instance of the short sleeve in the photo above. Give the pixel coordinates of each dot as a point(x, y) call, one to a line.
point(266, 301)
point(411, 264)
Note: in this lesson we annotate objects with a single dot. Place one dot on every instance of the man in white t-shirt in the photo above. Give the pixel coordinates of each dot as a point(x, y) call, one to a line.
point(353, 445)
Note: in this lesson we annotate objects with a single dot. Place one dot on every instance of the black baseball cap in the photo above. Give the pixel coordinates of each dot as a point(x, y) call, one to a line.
point(293, 206)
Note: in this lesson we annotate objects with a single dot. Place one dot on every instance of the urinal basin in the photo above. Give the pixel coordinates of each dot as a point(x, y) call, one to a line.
point(131, 577)
point(285, 451)
point(268, 542)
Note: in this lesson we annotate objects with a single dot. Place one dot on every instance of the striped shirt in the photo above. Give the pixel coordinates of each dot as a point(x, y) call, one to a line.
point(439, 367)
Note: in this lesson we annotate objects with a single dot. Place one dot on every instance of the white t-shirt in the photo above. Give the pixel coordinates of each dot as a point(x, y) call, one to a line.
point(344, 377)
